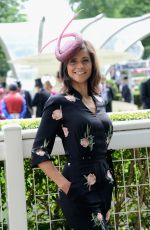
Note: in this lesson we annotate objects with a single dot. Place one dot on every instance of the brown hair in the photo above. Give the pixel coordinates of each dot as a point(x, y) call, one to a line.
point(93, 81)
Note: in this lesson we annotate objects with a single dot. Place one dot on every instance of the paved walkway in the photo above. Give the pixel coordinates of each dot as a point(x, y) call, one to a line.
point(119, 106)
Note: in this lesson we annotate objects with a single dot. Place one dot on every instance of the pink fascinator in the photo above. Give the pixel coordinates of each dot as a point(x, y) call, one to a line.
point(70, 47)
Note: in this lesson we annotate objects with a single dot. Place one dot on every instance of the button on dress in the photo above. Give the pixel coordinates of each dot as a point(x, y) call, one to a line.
point(85, 137)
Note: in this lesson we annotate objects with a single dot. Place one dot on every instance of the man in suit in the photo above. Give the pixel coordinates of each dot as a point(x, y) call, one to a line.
point(126, 91)
point(40, 97)
point(106, 93)
point(28, 98)
point(145, 94)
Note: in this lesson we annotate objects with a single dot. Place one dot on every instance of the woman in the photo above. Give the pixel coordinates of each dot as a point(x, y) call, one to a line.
point(78, 117)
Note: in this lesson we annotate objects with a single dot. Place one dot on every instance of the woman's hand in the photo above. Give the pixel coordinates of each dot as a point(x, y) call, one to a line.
point(55, 175)
point(108, 215)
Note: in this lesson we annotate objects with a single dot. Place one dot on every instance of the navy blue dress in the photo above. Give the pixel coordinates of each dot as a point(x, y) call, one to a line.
point(85, 137)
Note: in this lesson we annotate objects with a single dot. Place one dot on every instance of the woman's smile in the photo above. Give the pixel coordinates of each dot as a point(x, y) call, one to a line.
point(80, 66)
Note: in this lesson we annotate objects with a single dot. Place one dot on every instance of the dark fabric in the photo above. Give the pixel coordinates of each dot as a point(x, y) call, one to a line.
point(145, 94)
point(77, 214)
point(126, 93)
point(39, 100)
point(111, 166)
point(85, 138)
point(28, 99)
point(110, 96)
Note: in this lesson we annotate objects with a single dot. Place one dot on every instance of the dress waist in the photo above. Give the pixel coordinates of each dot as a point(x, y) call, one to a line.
point(85, 159)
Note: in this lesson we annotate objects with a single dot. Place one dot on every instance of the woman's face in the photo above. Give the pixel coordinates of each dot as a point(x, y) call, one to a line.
point(79, 67)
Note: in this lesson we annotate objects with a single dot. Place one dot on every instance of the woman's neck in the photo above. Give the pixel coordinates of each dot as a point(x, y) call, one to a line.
point(82, 89)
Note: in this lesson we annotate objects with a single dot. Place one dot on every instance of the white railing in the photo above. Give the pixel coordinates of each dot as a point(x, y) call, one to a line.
point(16, 144)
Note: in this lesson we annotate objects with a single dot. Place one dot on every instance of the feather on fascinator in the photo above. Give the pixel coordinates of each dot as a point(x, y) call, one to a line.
point(70, 47)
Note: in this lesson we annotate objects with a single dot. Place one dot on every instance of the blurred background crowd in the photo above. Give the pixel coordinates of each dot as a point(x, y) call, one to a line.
point(118, 88)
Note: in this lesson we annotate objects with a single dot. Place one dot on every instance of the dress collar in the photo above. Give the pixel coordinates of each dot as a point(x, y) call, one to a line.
point(76, 93)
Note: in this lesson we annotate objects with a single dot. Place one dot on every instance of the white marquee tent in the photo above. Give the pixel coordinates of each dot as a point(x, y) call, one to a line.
point(116, 39)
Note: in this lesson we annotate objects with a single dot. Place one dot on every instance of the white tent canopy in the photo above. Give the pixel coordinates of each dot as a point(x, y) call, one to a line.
point(126, 37)
point(20, 40)
point(107, 28)
point(47, 63)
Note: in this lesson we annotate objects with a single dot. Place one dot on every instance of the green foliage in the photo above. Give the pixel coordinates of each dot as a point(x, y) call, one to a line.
point(95, 7)
point(146, 52)
point(4, 67)
point(24, 123)
point(137, 99)
point(134, 8)
point(33, 123)
point(3, 202)
point(11, 11)
point(136, 177)
point(111, 8)
point(126, 116)
point(131, 170)
point(116, 94)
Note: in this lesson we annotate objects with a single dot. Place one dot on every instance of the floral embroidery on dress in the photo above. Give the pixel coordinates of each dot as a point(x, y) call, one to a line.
point(43, 149)
point(87, 140)
point(109, 135)
point(70, 97)
point(40, 152)
point(91, 180)
point(66, 131)
point(98, 220)
point(109, 177)
point(84, 142)
point(57, 114)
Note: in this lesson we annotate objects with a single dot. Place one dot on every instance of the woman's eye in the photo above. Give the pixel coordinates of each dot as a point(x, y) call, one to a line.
point(75, 62)
point(72, 62)
point(86, 60)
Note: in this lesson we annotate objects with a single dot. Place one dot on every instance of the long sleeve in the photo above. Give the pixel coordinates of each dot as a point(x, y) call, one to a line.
point(49, 127)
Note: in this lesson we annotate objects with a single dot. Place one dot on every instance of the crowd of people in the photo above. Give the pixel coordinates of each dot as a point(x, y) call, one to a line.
point(16, 103)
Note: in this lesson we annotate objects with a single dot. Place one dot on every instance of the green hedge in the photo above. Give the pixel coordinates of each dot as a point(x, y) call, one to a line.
point(33, 123)
point(126, 116)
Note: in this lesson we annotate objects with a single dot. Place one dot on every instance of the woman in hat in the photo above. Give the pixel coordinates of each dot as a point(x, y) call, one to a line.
point(78, 117)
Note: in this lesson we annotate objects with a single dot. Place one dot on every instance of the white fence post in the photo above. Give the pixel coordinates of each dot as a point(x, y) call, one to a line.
point(14, 167)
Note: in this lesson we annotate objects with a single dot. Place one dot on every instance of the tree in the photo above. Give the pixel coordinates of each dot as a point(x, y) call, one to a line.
point(10, 11)
point(95, 7)
point(135, 8)
point(111, 8)
point(146, 44)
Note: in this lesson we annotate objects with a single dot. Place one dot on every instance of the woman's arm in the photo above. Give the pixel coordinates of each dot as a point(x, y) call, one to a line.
point(55, 175)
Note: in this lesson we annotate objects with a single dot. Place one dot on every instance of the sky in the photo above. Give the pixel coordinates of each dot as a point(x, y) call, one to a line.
point(57, 14)
point(58, 11)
